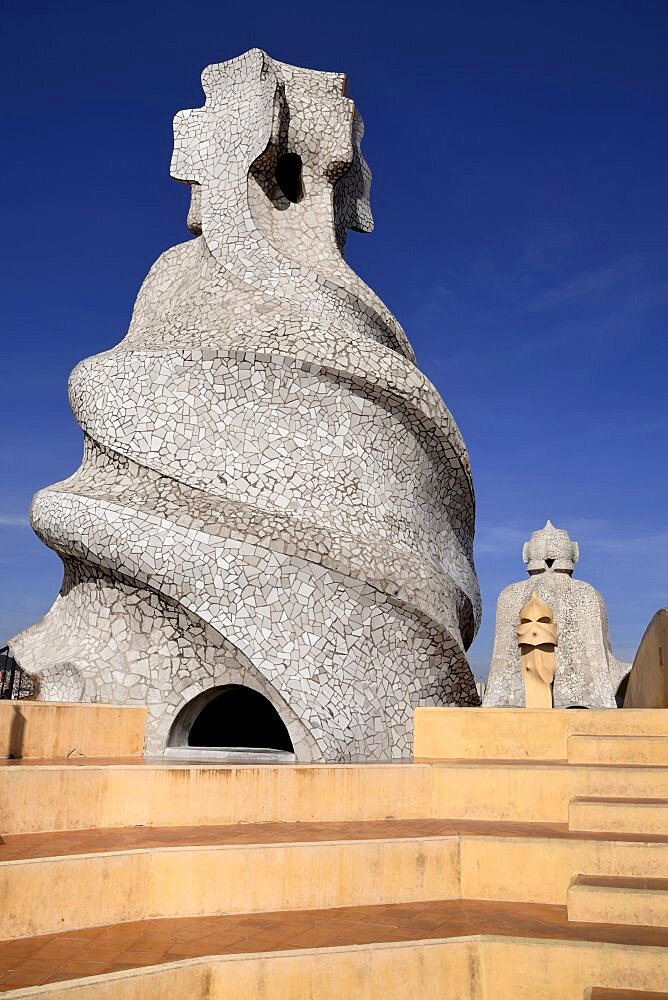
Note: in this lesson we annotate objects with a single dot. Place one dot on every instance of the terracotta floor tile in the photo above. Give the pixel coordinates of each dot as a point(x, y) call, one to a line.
point(209, 945)
point(16, 981)
point(76, 970)
point(13, 955)
point(33, 972)
point(56, 957)
point(62, 949)
point(22, 847)
point(143, 956)
point(107, 952)
point(605, 994)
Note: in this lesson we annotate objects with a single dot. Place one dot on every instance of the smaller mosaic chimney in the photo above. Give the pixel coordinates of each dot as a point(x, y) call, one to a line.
point(587, 675)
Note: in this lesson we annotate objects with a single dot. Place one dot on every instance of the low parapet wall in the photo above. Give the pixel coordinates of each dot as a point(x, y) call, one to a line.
point(523, 733)
point(45, 729)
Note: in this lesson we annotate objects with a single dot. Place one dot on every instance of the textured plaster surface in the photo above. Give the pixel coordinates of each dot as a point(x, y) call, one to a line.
point(648, 680)
point(272, 493)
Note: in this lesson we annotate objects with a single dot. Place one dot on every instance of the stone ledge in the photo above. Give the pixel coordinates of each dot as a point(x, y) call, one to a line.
point(50, 729)
point(525, 734)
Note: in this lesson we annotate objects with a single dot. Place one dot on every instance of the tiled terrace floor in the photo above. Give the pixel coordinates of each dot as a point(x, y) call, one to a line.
point(100, 950)
point(48, 845)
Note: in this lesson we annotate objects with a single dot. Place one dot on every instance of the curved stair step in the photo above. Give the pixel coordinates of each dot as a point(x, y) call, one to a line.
point(619, 816)
point(614, 900)
point(184, 878)
point(431, 948)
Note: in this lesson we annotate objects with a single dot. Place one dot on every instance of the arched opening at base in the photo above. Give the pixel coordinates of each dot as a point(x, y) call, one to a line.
point(231, 718)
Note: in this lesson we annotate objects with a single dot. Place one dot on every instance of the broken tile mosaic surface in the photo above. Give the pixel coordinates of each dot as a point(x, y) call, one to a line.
point(271, 494)
point(587, 674)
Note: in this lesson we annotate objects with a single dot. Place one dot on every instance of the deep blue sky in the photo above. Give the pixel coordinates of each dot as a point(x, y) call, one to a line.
point(520, 156)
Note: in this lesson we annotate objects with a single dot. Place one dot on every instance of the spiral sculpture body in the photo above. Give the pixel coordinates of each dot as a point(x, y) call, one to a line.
point(272, 494)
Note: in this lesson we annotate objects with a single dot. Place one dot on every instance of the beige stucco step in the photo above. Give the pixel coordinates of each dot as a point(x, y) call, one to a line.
point(531, 792)
point(522, 734)
point(619, 816)
point(195, 875)
point(476, 967)
point(45, 895)
point(70, 796)
point(540, 870)
point(84, 795)
point(617, 900)
point(649, 751)
point(52, 729)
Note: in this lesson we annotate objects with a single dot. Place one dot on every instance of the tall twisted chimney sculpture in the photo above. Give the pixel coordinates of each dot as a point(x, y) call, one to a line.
point(272, 495)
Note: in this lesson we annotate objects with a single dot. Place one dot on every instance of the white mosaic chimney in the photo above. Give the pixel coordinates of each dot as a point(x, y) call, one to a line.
point(272, 495)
